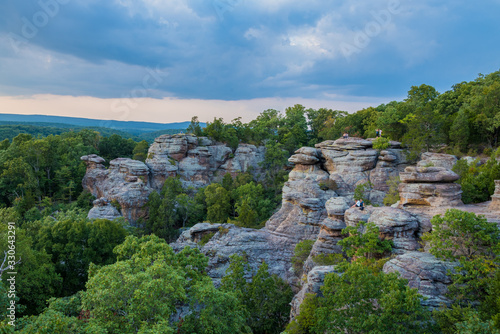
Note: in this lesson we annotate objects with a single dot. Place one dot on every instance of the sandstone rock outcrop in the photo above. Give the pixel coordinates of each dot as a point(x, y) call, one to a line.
point(351, 162)
point(425, 273)
point(303, 204)
point(103, 210)
point(315, 280)
point(198, 160)
point(394, 224)
point(495, 198)
point(429, 185)
point(125, 181)
point(256, 245)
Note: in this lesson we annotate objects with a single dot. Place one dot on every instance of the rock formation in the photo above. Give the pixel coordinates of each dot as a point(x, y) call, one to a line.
point(255, 245)
point(104, 210)
point(125, 181)
point(394, 224)
point(303, 204)
point(429, 185)
point(198, 160)
point(313, 284)
point(495, 198)
point(425, 273)
point(351, 162)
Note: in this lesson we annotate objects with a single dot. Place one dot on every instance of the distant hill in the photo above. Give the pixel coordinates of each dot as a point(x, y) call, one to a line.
point(9, 130)
point(132, 127)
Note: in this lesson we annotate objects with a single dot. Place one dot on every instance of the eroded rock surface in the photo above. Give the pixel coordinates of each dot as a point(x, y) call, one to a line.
point(315, 280)
point(103, 210)
point(425, 273)
point(495, 198)
point(199, 161)
point(125, 181)
point(303, 203)
point(255, 245)
point(429, 185)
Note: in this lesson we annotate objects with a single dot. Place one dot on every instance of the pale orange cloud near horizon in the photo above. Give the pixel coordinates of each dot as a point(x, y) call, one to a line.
point(166, 110)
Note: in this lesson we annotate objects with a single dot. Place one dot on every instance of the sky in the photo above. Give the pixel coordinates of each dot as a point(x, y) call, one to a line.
point(168, 60)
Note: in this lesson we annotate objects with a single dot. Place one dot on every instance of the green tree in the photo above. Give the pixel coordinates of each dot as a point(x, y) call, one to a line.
point(265, 297)
point(151, 289)
point(140, 151)
point(74, 242)
point(471, 241)
point(218, 203)
point(363, 300)
point(194, 127)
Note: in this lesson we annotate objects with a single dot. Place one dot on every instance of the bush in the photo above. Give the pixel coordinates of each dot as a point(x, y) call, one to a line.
point(392, 195)
point(360, 192)
point(302, 251)
point(381, 143)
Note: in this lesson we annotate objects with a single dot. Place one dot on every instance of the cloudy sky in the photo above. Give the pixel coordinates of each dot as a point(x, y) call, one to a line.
point(168, 60)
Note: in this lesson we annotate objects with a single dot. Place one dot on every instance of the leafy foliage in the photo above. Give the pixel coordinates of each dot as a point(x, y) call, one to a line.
point(301, 253)
point(265, 297)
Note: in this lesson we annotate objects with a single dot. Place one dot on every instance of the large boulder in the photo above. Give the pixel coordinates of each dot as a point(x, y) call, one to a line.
point(425, 273)
point(394, 224)
point(246, 158)
point(428, 175)
point(430, 194)
point(103, 210)
point(428, 159)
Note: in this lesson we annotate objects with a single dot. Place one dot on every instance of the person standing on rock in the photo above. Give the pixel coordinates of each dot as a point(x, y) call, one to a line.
point(345, 135)
point(377, 133)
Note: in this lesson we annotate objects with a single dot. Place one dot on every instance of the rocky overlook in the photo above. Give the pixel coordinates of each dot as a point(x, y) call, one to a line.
point(317, 204)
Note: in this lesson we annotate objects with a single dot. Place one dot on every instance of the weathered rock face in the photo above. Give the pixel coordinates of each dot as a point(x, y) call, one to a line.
point(199, 161)
point(429, 185)
point(330, 231)
point(303, 204)
point(125, 181)
point(247, 158)
point(425, 273)
point(257, 245)
point(495, 198)
point(315, 280)
point(103, 210)
point(428, 175)
point(351, 162)
point(394, 224)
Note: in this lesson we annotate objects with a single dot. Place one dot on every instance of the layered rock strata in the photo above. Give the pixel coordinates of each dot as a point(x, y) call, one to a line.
point(198, 160)
point(125, 181)
point(429, 185)
point(304, 197)
point(352, 161)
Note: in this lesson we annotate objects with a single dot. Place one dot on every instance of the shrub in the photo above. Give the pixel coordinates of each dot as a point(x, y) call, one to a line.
point(360, 192)
point(392, 195)
point(205, 238)
point(302, 251)
point(381, 143)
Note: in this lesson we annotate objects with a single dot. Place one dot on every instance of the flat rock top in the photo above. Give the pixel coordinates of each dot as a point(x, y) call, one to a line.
point(351, 143)
point(479, 209)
